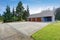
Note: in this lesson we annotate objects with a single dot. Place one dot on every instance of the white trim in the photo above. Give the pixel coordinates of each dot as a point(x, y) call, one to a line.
point(53, 18)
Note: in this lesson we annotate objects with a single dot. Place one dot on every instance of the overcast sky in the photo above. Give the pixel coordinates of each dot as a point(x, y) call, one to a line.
point(35, 6)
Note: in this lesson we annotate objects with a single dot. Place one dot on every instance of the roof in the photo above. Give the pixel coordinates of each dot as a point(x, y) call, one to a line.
point(42, 14)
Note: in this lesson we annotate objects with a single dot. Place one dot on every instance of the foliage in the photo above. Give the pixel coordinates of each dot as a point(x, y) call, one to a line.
point(26, 14)
point(28, 11)
point(1, 18)
point(7, 16)
point(14, 17)
point(19, 15)
point(20, 10)
point(57, 15)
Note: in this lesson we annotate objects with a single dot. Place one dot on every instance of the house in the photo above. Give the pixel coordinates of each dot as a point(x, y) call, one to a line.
point(44, 16)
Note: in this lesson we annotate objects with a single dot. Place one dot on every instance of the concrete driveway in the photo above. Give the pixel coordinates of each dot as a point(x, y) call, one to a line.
point(28, 28)
point(20, 30)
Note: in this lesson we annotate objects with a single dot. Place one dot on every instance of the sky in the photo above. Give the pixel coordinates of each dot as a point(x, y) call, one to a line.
point(35, 6)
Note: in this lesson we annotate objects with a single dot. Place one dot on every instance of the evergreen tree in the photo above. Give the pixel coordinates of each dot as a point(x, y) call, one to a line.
point(28, 11)
point(14, 17)
point(13, 12)
point(7, 16)
point(19, 11)
point(57, 15)
point(1, 18)
point(26, 14)
point(0, 15)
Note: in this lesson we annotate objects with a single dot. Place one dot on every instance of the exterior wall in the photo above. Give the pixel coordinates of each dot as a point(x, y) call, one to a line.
point(53, 18)
point(42, 19)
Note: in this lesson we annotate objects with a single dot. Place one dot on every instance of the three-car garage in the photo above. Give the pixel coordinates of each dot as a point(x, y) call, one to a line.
point(35, 19)
point(40, 19)
point(44, 16)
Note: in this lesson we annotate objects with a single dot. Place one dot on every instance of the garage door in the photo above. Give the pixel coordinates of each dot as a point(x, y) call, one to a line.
point(38, 19)
point(33, 19)
point(29, 19)
point(47, 19)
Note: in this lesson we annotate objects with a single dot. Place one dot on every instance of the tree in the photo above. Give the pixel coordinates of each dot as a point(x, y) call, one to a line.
point(57, 15)
point(26, 14)
point(7, 16)
point(28, 11)
point(0, 15)
point(14, 17)
point(20, 10)
point(1, 18)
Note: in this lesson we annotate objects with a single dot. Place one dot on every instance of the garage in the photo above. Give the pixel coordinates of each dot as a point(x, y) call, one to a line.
point(47, 19)
point(44, 16)
point(29, 19)
point(33, 19)
point(38, 19)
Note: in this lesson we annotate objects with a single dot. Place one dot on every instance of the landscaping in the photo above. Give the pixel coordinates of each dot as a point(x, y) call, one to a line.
point(50, 32)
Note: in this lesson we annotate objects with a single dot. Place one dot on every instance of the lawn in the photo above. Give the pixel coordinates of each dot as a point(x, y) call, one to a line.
point(50, 32)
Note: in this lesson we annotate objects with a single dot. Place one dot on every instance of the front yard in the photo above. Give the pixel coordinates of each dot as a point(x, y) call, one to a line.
point(50, 32)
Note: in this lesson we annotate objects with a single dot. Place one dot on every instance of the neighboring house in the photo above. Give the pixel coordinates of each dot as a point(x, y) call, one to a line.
point(44, 16)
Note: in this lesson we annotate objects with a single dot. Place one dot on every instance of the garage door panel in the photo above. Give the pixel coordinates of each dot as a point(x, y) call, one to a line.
point(38, 19)
point(33, 19)
point(47, 19)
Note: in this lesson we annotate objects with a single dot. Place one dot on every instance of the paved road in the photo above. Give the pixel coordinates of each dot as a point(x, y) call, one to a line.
point(20, 30)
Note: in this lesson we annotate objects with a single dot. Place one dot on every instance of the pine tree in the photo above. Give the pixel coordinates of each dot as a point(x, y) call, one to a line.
point(7, 16)
point(1, 18)
point(19, 11)
point(14, 17)
point(57, 15)
point(25, 15)
point(28, 11)
point(13, 12)
point(0, 15)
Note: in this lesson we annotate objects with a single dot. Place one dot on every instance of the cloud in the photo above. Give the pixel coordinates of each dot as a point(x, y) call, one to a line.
point(38, 9)
point(2, 9)
point(33, 7)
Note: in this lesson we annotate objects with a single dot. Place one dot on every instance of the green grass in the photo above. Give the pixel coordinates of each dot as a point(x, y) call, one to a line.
point(50, 32)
